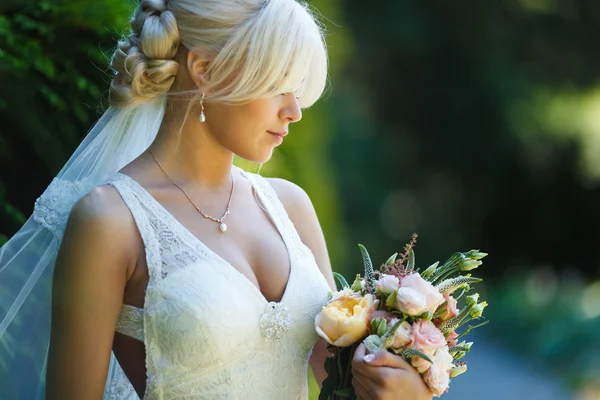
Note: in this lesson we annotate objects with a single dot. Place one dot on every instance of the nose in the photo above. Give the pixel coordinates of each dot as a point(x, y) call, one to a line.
point(290, 111)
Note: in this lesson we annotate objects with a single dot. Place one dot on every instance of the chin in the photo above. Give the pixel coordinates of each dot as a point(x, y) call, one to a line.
point(259, 158)
point(266, 158)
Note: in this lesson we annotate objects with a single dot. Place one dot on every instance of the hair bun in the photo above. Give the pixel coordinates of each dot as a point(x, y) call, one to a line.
point(144, 62)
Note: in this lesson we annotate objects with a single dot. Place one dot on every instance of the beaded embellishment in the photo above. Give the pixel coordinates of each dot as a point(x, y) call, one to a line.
point(275, 321)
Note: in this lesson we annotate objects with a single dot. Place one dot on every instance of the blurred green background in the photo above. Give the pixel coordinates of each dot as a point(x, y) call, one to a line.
point(474, 123)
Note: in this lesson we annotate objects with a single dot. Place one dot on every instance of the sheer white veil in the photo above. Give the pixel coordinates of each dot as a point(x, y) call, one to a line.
point(27, 259)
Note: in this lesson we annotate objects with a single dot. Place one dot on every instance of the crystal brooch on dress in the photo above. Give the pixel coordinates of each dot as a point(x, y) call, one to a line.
point(275, 321)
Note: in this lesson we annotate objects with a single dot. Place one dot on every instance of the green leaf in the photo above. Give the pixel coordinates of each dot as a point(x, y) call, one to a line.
point(411, 260)
point(369, 274)
point(340, 278)
point(392, 259)
point(332, 380)
point(408, 353)
point(388, 338)
point(357, 285)
point(471, 327)
point(464, 349)
point(390, 302)
point(346, 393)
point(429, 272)
point(449, 286)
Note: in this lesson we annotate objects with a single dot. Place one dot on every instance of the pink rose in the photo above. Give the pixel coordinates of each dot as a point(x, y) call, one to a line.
point(426, 336)
point(437, 376)
point(433, 297)
point(450, 308)
point(452, 339)
point(410, 301)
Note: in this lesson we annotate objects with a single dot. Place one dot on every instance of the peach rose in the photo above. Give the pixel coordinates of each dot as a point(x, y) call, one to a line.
point(421, 364)
point(452, 339)
point(433, 297)
point(343, 321)
point(450, 309)
point(437, 376)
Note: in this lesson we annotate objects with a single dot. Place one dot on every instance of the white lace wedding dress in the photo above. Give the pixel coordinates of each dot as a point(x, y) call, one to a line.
point(209, 332)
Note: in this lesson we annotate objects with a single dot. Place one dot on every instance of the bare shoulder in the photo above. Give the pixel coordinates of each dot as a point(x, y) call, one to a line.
point(101, 210)
point(90, 277)
point(103, 202)
point(100, 219)
point(296, 201)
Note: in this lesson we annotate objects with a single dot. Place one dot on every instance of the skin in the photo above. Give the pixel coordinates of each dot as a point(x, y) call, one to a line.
point(385, 376)
point(101, 263)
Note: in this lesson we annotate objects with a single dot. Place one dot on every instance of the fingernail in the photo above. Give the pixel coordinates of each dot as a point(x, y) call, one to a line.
point(369, 357)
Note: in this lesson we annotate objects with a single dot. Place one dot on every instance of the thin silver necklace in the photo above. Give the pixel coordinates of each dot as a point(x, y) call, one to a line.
point(220, 221)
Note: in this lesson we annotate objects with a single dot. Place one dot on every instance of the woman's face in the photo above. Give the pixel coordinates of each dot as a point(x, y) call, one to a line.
point(254, 129)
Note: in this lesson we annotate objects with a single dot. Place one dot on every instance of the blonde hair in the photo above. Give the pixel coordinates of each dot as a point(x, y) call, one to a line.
point(256, 48)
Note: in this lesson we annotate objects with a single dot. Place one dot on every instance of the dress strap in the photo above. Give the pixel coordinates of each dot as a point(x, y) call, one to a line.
point(131, 322)
point(131, 197)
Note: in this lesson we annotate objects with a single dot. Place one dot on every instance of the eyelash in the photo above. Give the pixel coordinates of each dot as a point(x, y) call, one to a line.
point(283, 94)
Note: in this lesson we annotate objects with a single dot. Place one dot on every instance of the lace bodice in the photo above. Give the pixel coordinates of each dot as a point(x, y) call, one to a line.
point(209, 332)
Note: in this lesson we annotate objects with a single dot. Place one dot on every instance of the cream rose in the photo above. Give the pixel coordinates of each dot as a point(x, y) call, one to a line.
point(387, 284)
point(343, 321)
point(402, 336)
point(433, 297)
point(410, 301)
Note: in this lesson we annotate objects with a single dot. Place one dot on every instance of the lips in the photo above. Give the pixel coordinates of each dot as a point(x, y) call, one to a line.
point(280, 134)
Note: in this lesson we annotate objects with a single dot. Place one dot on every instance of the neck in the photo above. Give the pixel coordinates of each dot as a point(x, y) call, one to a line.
point(189, 154)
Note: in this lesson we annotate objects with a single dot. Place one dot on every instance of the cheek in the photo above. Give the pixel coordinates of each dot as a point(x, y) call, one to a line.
point(232, 128)
point(241, 122)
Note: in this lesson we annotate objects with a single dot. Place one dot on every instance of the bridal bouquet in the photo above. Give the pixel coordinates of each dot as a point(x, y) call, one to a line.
point(406, 311)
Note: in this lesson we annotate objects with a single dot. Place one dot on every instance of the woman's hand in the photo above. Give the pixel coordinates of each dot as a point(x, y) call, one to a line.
point(386, 377)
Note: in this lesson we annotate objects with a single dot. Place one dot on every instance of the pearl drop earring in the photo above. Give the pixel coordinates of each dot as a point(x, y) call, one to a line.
point(202, 116)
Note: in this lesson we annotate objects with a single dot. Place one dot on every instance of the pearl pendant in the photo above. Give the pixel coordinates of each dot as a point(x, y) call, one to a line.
point(223, 227)
point(202, 117)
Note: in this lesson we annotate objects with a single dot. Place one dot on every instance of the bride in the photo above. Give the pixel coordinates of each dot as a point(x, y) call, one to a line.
point(176, 274)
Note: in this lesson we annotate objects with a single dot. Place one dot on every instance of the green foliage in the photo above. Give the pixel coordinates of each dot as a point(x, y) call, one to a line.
point(342, 281)
point(369, 272)
point(338, 384)
point(53, 74)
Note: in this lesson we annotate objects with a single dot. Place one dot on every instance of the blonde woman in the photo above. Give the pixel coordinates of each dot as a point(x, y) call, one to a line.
point(200, 279)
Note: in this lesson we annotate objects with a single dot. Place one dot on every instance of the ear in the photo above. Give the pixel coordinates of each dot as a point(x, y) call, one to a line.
point(197, 64)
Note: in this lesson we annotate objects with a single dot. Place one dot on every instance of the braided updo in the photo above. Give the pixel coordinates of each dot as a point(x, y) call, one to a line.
point(144, 62)
point(255, 48)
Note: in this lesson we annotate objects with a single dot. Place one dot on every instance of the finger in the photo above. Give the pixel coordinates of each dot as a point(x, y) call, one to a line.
point(361, 390)
point(372, 376)
point(358, 362)
point(369, 363)
point(359, 353)
point(384, 358)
